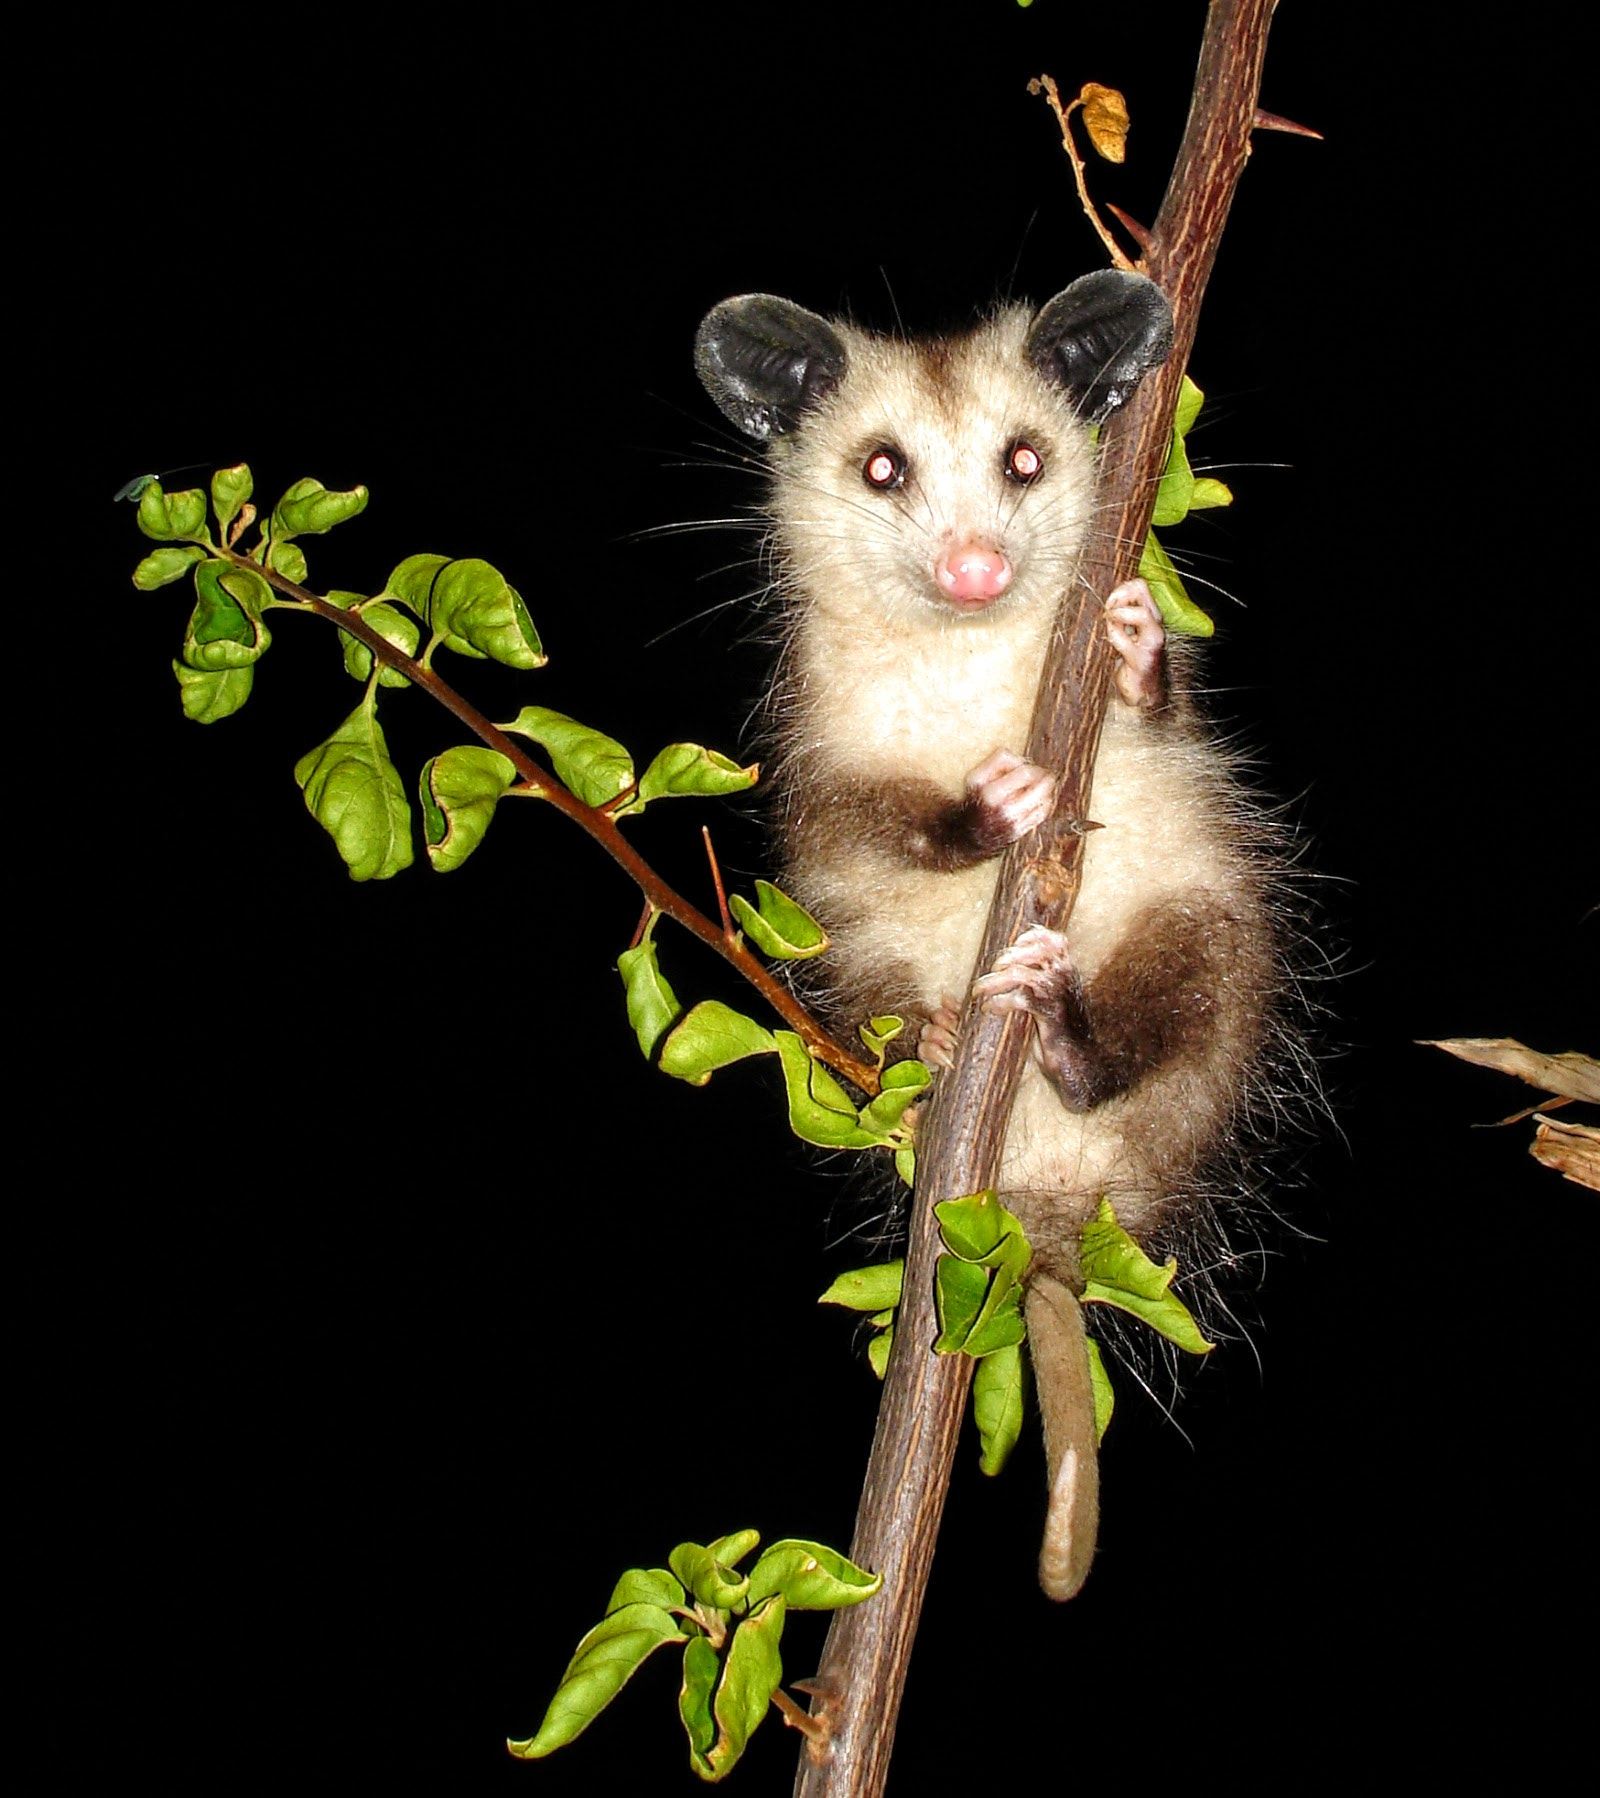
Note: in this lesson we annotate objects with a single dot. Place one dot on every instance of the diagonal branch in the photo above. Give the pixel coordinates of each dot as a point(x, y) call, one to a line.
point(595, 820)
point(864, 1664)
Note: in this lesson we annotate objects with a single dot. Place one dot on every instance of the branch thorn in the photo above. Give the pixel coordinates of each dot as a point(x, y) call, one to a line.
point(1270, 121)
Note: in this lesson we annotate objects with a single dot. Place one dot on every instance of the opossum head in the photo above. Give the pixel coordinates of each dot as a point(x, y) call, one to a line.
point(938, 483)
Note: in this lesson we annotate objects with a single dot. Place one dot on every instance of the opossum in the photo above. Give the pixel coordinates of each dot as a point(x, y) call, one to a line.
point(930, 503)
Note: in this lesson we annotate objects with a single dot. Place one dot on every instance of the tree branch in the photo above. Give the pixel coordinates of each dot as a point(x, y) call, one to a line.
point(863, 1671)
point(595, 820)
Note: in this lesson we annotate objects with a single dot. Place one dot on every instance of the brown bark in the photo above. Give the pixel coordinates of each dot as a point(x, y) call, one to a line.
point(862, 1677)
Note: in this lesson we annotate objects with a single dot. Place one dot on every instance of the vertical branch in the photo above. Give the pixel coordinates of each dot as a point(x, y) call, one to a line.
point(864, 1665)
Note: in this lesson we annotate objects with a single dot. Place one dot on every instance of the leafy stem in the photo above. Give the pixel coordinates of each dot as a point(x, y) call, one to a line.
point(596, 821)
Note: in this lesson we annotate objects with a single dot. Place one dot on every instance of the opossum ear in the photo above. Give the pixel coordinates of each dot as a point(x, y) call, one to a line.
point(1100, 337)
point(767, 362)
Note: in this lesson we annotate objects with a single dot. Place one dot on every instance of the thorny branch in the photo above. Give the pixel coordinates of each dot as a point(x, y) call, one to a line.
point(864, 1665)
point(595, 820)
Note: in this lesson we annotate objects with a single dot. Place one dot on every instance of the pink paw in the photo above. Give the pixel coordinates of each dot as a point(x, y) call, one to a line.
point(1030, 976)
point(1133, 623)
point(1016, 795)
point(936, 1044)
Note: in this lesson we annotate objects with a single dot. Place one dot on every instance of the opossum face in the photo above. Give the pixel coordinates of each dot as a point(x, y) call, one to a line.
point(940, 483)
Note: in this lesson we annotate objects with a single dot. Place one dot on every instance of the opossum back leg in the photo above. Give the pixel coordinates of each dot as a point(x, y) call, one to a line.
point(936, 1042)
point(1180, 976)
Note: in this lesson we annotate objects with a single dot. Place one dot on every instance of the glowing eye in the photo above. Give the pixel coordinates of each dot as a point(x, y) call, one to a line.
point(1023, 463)
point(884, 469)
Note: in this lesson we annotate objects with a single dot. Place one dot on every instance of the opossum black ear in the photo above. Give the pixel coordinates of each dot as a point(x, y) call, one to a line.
point(1100, 337)
point(767, 362)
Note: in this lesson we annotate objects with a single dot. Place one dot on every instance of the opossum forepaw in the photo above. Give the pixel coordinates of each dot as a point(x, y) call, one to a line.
point(1030, 976)
point(1012, 794)
point(936, 1042)
point(1133, 623)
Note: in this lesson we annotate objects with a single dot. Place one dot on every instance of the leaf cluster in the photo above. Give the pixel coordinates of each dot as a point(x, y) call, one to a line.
point(729, 1625)
point(978, 1293)
point(1181, 492)
point(694, 1045)
point(428, 603)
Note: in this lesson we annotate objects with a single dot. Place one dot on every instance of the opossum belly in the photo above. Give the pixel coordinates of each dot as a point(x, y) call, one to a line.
point(1058, 1164)
point(927, 928)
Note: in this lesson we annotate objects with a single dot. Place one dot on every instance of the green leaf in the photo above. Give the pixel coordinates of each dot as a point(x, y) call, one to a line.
point(287, 559)
point(810, 1576)
point(1187, 410)
point(960, 1288)
point(903, 1085)
point(355, 794)
point(652, 1004)
point(1177, 484)
point(230, 488)
point(1208, 493)
point(686, 768)
point(459, 791)
point(731, 1550)
point(646, 1585)
point(393, 625)
point(1178, 612)
point(777, 926)
point(878, 1033)
point(700, 1669)
point(973, 1226)
point(878, 1351)
point(999, 1322)
point(750, 1675)
point(606, 1659)
point(710, 1037)
point(170, 516)
point(594, 766)
point(478, 613)
point(1105, 1400)
point(819, 1109)
point(308, 509)
point(997, 1405)
point(980, 1309)
point(867, 1288)
point(1180, 493)
point(225, 628)
point(411, 582)
point(208, 695)
point(905, 1165)
point(1116, 1271)
point(708, 1579)
point(163, 566)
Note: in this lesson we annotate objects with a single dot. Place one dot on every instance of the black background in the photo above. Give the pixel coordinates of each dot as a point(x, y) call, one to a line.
point(386, 1304)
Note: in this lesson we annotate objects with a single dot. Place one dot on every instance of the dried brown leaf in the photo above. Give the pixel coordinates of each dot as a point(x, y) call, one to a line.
point(1573, 1150)
point(1570, 1074)
point(1105, 118)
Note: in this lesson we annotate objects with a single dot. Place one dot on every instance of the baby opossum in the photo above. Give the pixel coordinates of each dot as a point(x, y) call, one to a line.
point(930, 504)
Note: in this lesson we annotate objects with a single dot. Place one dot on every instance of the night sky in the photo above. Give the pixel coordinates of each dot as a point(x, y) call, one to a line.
point(385, 1303)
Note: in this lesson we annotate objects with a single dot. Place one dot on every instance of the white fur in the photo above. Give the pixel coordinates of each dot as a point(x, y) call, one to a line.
point(884, 680)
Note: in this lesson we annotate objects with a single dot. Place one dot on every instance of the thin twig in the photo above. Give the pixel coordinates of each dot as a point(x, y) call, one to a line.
point(1046, 85)
point(716, 881)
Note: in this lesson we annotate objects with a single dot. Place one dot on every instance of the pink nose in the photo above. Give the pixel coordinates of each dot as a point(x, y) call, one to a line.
point(972, 574)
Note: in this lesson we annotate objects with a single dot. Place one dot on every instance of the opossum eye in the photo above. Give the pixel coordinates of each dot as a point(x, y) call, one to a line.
point(1024, 464)
point(884, 469)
